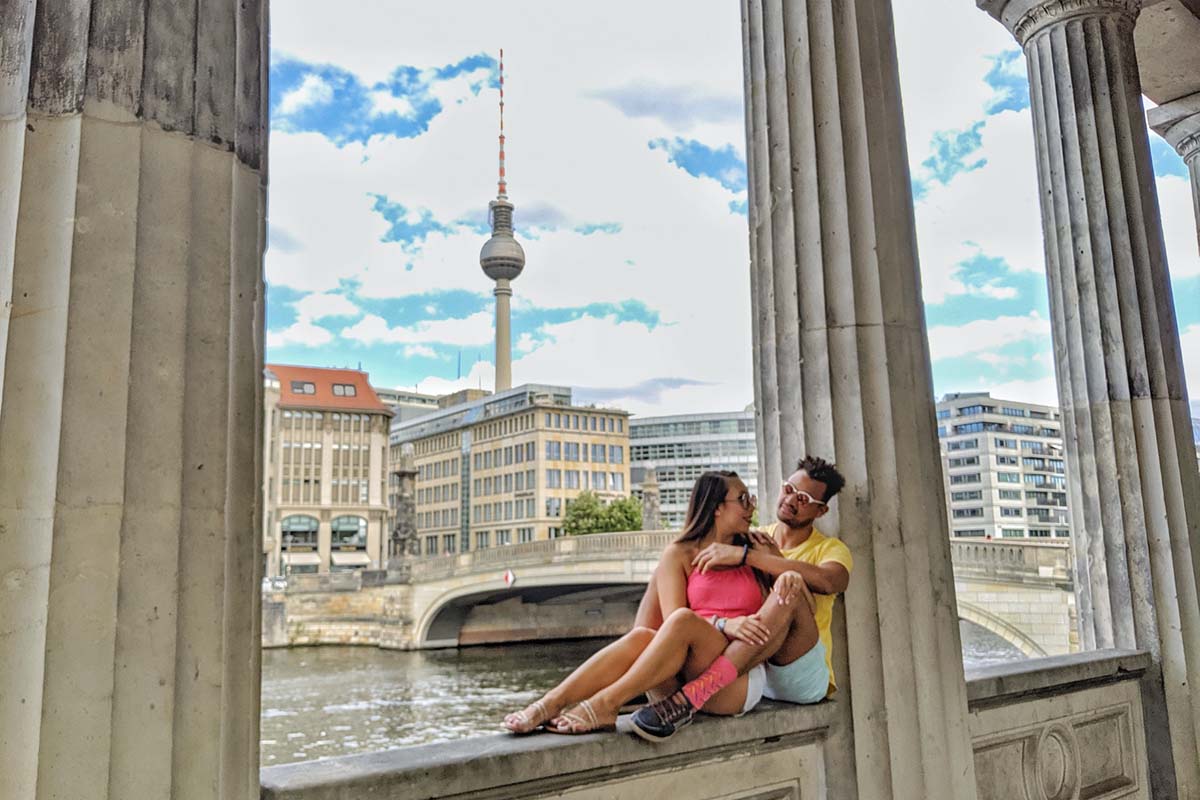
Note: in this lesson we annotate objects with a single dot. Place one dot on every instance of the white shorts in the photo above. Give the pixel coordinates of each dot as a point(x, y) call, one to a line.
point(755, 685)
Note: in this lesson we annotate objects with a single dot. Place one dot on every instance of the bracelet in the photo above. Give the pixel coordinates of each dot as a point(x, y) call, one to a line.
point(745, 552)
point(721, 624)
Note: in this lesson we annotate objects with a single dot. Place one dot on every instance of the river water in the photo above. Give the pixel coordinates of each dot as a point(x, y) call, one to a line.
point(329, 701)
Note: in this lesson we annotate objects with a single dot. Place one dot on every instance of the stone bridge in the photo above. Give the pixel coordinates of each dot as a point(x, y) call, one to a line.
point(589, 586)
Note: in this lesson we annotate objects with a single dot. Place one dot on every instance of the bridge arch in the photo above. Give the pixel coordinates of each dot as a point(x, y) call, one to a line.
point(1001, 627)
point(438, 623)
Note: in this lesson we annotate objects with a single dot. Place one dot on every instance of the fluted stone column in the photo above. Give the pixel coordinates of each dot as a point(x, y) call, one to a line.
point(1179, 123)
point(1117, 358)
point(131, 239)
point(843, 372)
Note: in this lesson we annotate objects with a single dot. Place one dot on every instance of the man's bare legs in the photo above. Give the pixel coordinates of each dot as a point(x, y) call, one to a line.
point(604, 667)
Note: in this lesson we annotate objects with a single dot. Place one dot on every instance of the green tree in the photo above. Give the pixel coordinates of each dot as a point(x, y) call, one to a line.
point(587, 514)
point(624, 515)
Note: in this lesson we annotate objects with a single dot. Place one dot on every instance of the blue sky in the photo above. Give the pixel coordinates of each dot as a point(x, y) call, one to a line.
point(630, 196)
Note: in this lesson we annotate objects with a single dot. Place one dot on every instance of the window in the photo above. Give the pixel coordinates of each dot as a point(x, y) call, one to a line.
point(616, 481)
point(1006, 461)
point(571, 451)
point(1008, 477)
point(554, 479)
point(299, 532)
point(598, 453)
point(943, 413)
point(529, 450)
point(963, 444)
point(1011, 512)
point(970, 532)
point(965, 461)
point(1012, 412)
point(1039, 533)
point(519, 482)
point(553, 507)
point(503, 537)
point(555, 532)
point(524, 535)
point(481, 540)
point(554, 451)
point(970, 427)
point(1008, 444)
point(972, 495)
point(598, 481)
point(1010, 494)
point(1012, 533)
point(558, 420)
point(448, 543)
point(304, 387)
point(344, 390)
point(960, 513)
point(941, 431)
point(430, 545)
point(616, 454)
point(1026, 429)
point(572, 478)
point(969, 477)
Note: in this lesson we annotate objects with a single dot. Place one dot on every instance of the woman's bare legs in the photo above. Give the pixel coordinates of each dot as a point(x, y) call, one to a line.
point(685, 643)
point(604, 667)
point(649, 613)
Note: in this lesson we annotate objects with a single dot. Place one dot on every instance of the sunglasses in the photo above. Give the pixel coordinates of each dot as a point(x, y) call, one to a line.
point(745, 500)
point(803, 497)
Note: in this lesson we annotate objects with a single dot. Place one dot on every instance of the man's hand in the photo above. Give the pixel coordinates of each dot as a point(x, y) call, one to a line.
point(718, 555)
point(765, 541)
point(750, 630)
point(789, 586)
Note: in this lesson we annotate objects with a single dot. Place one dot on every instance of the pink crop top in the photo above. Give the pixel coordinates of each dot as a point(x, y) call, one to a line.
point(724, 592)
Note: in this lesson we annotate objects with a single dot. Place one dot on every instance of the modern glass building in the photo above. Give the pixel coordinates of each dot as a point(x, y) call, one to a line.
point(679, 448)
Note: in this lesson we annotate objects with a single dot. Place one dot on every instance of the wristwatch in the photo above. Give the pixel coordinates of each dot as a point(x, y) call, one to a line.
point(721, 624)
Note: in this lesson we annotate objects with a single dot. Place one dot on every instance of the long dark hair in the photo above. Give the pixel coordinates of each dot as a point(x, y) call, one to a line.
point(707, 496)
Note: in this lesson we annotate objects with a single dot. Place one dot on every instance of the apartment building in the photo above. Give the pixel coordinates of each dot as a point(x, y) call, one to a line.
point(1004, 467)
point(324, 470)
point(503, 469)
point(681, 447)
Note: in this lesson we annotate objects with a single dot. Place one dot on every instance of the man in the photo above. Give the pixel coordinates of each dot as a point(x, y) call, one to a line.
point(797, 647)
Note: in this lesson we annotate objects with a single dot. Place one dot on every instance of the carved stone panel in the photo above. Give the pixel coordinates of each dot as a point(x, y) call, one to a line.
point(1087, 745)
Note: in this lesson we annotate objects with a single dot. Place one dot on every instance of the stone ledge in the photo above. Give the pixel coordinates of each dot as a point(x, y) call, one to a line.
point(1000, 684)
point(485, 765)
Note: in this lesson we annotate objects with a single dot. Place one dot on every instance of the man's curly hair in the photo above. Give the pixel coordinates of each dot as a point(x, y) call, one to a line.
point(823, 471)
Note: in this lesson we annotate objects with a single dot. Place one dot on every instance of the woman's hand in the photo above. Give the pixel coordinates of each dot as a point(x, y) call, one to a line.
point(791, 585)
point(750, 630)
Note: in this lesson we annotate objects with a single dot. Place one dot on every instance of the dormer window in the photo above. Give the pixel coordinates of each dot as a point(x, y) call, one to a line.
point(304, 387)
point(344, 390)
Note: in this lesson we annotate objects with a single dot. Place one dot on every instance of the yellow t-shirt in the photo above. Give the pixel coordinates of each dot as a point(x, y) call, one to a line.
point(820, 549)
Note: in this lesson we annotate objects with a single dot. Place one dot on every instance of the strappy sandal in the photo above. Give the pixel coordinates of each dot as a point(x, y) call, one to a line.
point(528, 719)
point(582, 719)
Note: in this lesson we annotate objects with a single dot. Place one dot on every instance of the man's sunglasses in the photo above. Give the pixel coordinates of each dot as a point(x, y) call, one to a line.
point(804, 498)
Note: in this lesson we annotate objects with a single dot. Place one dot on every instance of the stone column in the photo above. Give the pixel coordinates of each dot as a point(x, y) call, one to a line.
point(844, 373)
point(1179, 123)
point(1117, 357)
point(131, 239)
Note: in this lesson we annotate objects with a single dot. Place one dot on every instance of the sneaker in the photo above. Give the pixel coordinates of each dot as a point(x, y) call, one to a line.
point(659, 721)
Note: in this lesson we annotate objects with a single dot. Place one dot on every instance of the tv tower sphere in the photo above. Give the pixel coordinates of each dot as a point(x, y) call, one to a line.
point(502, 256)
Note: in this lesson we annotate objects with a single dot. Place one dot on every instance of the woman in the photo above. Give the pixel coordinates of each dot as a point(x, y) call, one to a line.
point(720, 510)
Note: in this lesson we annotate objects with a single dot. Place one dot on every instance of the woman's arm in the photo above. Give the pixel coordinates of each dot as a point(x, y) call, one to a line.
point(672, 579)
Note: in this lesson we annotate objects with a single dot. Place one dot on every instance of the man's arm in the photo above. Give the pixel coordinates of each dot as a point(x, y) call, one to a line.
point(829, 577)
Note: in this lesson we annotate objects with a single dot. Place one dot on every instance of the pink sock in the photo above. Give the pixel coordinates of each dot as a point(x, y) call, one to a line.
point(720, 674)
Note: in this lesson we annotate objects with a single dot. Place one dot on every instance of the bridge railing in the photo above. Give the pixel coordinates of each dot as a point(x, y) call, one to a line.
point(646, 544)
point(1007, 559)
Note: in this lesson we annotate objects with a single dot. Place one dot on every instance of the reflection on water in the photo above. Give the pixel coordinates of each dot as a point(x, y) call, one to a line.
point(329, 701)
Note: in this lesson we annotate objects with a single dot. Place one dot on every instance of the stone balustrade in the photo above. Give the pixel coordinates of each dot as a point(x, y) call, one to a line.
point(1009, 561)
point(1070, 726)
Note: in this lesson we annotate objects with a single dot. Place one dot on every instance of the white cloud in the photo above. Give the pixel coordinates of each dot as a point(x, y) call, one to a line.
point(1038, 390)
point(320, 305)
point(313, 90)
point(419, 351)
point(384, 102)
point(986, 335)
point(472, 331)
point(302, 332)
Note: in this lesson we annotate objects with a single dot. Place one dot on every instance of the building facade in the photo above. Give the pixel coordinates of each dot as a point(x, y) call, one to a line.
point(324, 471)
point(1003, 467)
point(679, 448)
point(407, 405)
point(504, 468)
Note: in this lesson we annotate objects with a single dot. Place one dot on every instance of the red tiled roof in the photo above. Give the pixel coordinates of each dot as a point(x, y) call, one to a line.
point(364, 398)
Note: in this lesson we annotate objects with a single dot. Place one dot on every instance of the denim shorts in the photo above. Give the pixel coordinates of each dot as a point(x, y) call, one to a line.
point(805, 680)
